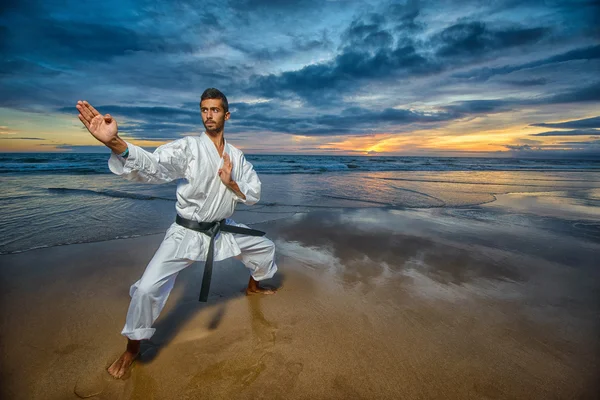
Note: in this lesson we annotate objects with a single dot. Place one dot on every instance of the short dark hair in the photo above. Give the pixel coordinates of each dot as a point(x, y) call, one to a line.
point(212, 93)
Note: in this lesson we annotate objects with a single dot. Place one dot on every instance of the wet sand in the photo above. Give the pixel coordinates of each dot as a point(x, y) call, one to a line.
point(485, 302)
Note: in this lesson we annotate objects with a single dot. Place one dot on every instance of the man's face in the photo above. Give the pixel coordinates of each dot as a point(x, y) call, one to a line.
point(213, 115)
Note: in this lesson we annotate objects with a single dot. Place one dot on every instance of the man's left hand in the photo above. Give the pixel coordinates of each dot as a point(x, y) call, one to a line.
point(225, 170)
point(225, 175)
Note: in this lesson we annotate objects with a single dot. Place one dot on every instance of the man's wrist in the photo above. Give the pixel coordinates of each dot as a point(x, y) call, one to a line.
point(236, 189)
point(117, 145)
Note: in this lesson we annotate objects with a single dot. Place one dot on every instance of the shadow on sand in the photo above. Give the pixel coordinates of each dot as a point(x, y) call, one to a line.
point(229, 281)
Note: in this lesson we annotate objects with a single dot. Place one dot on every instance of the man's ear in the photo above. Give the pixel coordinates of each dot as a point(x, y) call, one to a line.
point(227, 115)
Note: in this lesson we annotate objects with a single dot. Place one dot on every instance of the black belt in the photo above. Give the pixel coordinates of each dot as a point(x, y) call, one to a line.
point(211, 229)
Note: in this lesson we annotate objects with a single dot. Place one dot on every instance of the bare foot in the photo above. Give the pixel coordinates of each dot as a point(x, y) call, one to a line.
point(260, 291)
point(254, 288)
point(122, 365)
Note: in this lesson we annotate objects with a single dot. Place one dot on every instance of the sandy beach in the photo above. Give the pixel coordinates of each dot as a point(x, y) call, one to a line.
point(484, 302)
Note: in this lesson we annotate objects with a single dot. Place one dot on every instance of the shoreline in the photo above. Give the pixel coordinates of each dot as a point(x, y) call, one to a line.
point(109, 208)
point(502, 201)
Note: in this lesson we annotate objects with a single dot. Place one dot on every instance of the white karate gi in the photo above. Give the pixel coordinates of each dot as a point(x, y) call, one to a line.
point(202, 197)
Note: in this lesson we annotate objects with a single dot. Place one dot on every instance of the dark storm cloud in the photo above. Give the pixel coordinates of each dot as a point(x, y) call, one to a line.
point(10, 6)
point(303, 43)
point(388, 115)
point(344, 73)
point(270, 5)
point(353, 121)
point(480, 107)
point(158, 131)
point(575, 132)
point(262, 117)
point(587, 94)
point(528, 82)
point(476, 38)
point(593, 122)
point(4, 37)
point(590, 93)
point(483, 74)
point(405, 16)
point(367, 34)
point(299, 44)
point(474, 107)
point(53, 40)
point(23, 67)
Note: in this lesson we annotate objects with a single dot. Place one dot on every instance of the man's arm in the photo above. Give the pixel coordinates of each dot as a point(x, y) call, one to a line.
point(167, 163)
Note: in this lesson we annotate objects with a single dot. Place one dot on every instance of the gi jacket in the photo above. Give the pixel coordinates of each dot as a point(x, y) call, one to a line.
point(201, 195)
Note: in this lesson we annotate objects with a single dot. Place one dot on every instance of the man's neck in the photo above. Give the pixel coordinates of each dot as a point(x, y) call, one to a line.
point(218, 140)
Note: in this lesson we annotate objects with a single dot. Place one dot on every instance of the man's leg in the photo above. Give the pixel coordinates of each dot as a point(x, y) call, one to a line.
point(258, 255)
point(148, 297)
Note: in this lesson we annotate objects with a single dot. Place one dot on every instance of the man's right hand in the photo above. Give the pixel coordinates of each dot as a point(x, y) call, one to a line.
point(104, 128)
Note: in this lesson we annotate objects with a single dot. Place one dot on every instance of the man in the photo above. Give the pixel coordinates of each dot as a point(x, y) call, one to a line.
point(215, 176)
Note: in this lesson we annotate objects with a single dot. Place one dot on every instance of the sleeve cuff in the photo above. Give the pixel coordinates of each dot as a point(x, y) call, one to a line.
point(119, 165)
point(244, 189)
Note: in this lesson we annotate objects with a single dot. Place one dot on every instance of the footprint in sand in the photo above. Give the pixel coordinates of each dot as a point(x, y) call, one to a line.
point(92, 385)
point(224, 379)
point(245, 375)
point(294, 368)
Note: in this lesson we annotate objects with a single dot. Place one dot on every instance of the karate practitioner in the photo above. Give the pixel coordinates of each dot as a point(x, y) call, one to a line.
point(215, 176)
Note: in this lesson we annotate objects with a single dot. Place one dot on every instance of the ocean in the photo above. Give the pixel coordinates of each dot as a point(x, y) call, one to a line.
point(51, 199)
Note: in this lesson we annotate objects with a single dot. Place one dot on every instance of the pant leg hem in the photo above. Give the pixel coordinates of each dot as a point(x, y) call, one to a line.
point(139, 334)
point(268, 275)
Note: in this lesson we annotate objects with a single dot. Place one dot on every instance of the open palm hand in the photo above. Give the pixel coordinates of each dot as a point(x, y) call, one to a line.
point(104, 128)
point(225, 170)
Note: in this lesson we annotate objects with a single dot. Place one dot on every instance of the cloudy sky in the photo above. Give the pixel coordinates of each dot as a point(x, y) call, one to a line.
point(454, 77)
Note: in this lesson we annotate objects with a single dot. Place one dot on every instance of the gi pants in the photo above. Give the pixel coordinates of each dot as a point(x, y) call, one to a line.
point(150, 293)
